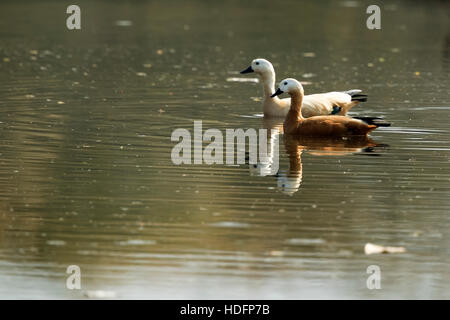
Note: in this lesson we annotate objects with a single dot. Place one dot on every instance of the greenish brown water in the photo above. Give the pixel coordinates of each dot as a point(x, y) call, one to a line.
point(86, 176)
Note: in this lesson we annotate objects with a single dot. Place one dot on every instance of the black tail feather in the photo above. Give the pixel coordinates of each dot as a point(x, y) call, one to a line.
point(357, 95)
point(377, 121)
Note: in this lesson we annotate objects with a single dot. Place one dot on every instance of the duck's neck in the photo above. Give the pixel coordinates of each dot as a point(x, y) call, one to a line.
point(268, 80)
point(294, 115)
point(294, 150)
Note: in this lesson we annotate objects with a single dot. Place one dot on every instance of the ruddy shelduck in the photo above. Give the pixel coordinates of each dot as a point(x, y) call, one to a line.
point(321, 126)
point(335, 102)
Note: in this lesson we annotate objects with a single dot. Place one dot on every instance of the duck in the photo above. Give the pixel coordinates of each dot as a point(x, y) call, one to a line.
point(319, 126)
point(338, 103)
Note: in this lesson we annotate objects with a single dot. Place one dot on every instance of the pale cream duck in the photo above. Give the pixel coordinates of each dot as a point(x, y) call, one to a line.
point(338, 103)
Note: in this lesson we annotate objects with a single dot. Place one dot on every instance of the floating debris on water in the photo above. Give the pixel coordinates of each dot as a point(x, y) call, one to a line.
point(297, 241)
point(276, 253)
point(308, 75)
point(141, 74)
point(208, 86)
point(350, 4)
point(371, 248)
point(230, 224)
point(256, 115)
point(235, 79)
point(309, 54)
point(56, 242)
point(100, 294)
point(136, 242)
point(123, 23)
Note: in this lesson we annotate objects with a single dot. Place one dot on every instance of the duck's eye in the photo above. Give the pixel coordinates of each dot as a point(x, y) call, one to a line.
point(257, 63)
point(285, 83)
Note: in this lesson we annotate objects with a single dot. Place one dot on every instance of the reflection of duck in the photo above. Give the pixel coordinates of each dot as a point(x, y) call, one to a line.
point(268, 166)
point(331, 126)
point(289, 183)
point(338, 103)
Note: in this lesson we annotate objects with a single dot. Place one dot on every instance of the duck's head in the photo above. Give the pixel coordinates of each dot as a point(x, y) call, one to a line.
point(259, 66)
point(288, 85)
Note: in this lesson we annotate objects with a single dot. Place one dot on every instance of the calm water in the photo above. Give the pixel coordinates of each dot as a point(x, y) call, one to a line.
point(86, 176)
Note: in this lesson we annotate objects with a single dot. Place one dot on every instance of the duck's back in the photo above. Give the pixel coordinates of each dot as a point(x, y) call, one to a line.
point(323, 103)
point(316, 105)
point(319, 104)
point(337, 126)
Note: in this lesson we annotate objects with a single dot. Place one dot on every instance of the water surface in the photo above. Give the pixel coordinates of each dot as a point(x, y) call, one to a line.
point(86, 176)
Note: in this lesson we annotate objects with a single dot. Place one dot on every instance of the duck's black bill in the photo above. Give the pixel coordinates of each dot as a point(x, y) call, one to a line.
point(277, 93)
point(248, 70)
